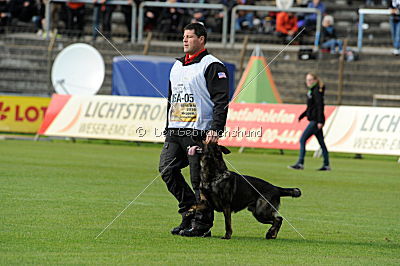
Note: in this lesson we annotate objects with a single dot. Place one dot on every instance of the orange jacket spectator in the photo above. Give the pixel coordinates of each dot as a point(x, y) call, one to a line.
point(286, 23)
point(74, 5)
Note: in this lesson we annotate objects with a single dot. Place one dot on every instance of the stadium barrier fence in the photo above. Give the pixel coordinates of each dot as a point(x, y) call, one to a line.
point(109, 2)
point(362, 12)
point(185, 6)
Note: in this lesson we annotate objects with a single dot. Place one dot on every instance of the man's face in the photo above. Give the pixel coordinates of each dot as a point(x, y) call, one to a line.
point(191, 43)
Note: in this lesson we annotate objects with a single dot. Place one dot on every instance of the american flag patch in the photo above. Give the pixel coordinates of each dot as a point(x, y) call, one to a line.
point(221, 75)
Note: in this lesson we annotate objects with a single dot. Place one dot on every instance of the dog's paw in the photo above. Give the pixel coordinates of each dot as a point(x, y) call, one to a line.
point(271, 235)
point(226, 237)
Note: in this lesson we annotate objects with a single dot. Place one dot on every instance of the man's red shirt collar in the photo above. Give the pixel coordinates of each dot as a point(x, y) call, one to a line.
point(189, 59)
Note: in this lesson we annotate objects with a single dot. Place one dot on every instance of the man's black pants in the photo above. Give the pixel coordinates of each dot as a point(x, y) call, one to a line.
point(172, 159)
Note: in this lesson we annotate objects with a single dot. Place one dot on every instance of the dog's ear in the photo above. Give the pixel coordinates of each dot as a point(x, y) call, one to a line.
point(224, 149)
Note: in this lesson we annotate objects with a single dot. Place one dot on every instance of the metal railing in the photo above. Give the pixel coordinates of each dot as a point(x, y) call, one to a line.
point(109, 2)
point(186, 6)
point(224, 9)
point(275, 9)
point(362, 12)
point(386, 97)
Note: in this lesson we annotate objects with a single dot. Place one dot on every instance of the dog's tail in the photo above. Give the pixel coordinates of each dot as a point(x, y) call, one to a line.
point(290, 192)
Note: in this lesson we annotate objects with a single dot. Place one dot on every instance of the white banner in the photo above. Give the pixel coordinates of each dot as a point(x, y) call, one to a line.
point(106, 117)
point(370, 130)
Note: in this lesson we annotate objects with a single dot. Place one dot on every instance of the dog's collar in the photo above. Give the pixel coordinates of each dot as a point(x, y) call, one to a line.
point(225, 175)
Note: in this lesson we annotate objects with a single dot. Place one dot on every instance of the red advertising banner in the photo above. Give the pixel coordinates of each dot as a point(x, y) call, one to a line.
point(272, 126)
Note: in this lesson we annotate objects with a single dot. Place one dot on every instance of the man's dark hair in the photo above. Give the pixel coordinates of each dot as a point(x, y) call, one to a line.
point(199, 30)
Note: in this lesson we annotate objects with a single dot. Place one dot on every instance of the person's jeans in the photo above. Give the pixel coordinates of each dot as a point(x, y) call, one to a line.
point(105, 16)
point(37, 21)
point(75, 21)
point(310, 130)
point(96, 21)
point(248, 18)
point(332, 43)
point(395, 29)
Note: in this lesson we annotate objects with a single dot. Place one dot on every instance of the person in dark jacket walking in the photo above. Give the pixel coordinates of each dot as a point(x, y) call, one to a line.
point(197, 109)
point(315, 114)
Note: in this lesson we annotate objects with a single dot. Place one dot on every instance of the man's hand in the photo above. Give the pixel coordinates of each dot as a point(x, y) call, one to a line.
point(212, 137)
point(320, 125)
point(301, 116)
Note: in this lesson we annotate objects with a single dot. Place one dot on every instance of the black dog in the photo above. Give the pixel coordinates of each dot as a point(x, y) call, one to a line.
point(228, 192)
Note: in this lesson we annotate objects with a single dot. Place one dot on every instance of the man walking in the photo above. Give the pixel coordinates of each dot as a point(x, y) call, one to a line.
point(197, 108)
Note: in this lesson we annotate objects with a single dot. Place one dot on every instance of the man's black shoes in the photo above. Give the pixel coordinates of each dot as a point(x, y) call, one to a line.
point(190, 228)
point(194, 232)
point(186, 223)
point(177, 230)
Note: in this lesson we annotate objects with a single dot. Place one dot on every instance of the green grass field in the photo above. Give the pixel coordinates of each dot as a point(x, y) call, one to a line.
point(55, 197)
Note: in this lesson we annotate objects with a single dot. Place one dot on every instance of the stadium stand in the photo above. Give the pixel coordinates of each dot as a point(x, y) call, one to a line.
point(24, 63)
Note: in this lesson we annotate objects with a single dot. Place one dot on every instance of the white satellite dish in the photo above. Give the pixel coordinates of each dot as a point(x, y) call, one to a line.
point(78, 69)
